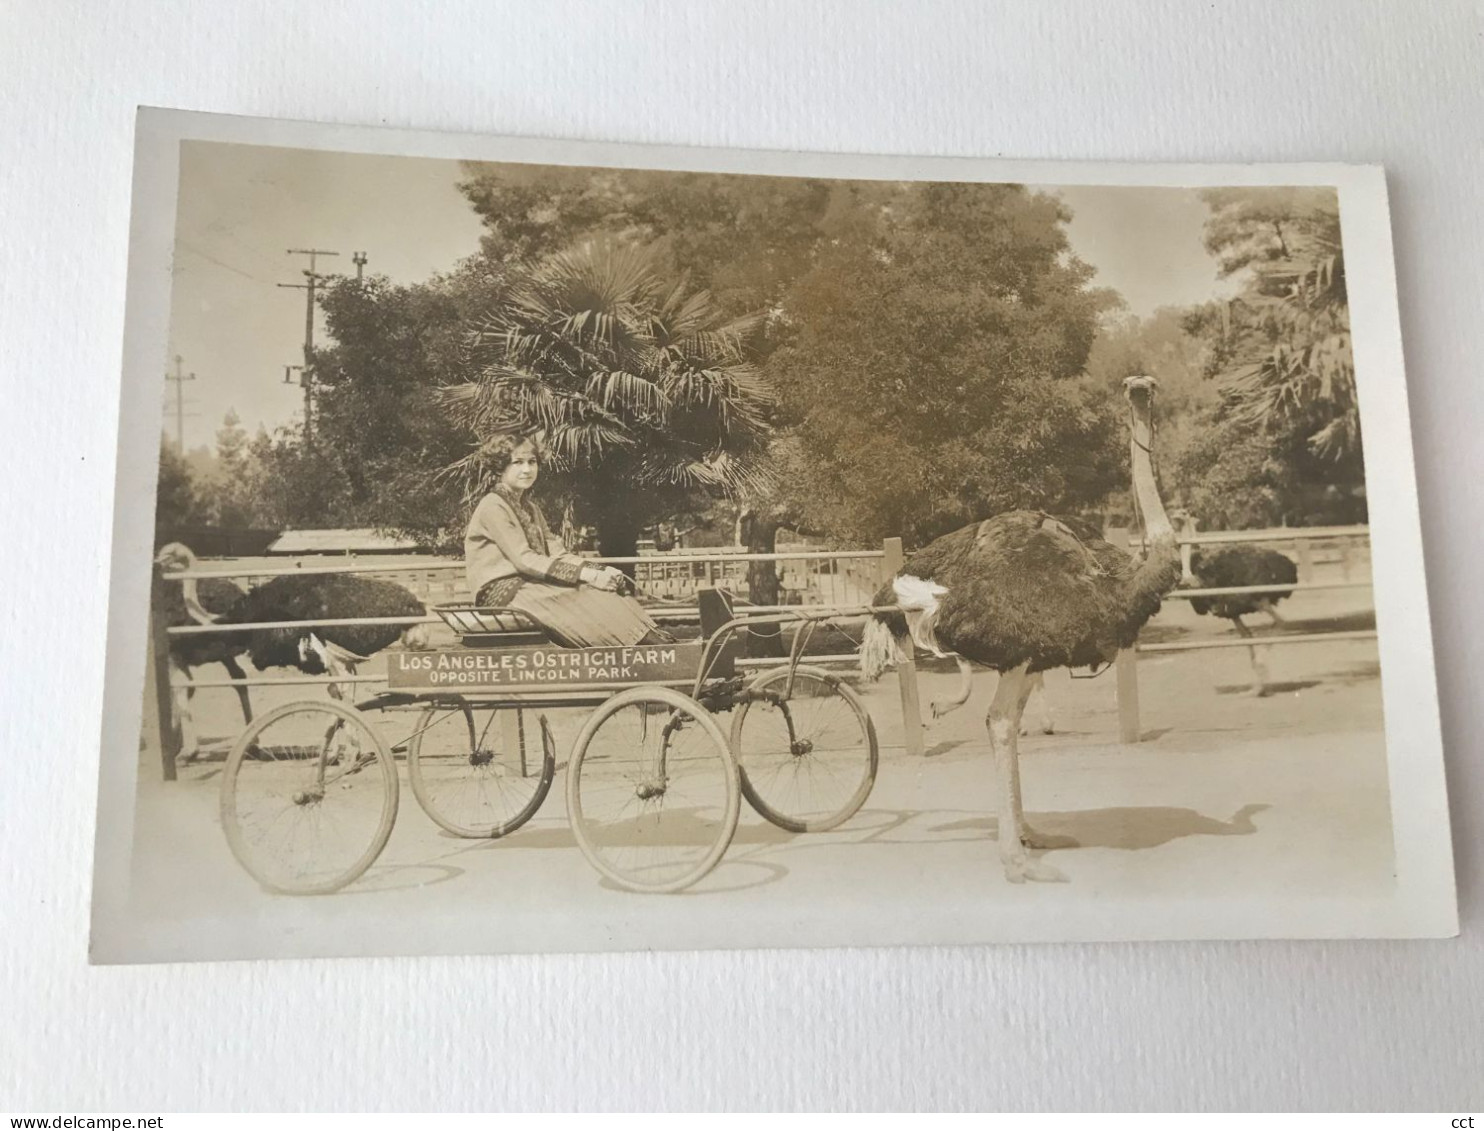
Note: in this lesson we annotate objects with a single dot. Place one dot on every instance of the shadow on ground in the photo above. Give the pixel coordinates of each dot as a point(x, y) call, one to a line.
point(1122, 827)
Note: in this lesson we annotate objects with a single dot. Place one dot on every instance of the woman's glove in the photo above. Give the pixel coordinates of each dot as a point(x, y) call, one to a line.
point(605, 577)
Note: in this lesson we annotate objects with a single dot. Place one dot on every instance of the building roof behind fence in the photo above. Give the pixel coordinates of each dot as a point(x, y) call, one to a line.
point(363, 541)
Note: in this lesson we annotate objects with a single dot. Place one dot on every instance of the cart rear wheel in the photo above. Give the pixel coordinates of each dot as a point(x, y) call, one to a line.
point(309, 796)
point(807, 751)
point(469, 778)
point(652, 790)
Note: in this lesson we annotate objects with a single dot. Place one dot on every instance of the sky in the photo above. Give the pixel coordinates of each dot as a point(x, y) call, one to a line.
point(1145, 243)
point(242, 207)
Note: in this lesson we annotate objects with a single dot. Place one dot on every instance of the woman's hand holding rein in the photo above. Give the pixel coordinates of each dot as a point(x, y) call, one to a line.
point(602, 577)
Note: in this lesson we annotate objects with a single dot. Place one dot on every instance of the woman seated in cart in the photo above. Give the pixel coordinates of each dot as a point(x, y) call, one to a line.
point(512, 561)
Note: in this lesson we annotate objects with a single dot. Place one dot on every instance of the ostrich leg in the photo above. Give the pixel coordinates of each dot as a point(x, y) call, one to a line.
point(1267, 607)
point(339, 667)
point(1038, 688)
point(1004, 735)
point(1259, 669)
point(941, 707)
point(335, 661)
point(234, 670)
point(185, 718)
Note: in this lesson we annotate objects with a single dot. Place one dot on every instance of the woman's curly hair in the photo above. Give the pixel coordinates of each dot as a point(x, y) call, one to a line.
point(498, 451)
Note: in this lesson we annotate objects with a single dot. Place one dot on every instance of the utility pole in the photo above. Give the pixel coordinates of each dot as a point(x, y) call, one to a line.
point(359, 259)
point(180, 378)
point(306, 371)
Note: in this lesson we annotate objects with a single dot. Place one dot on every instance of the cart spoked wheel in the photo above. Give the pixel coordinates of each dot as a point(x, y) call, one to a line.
point(476, 771)
point(652, 790)
point(309, 796)
point(806, 748)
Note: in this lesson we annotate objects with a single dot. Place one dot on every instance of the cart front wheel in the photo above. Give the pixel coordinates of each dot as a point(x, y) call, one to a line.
point(652, 790)
point(806, 748)
point(309, 796)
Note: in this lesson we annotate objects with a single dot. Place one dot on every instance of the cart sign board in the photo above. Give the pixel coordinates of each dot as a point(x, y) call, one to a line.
point(465, 668)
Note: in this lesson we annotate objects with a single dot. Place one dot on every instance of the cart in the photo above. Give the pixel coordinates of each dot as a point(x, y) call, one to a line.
point(654, 783)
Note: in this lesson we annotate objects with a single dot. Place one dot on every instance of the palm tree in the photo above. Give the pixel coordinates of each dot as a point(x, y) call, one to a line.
point(1295, 371)
point(642, 386)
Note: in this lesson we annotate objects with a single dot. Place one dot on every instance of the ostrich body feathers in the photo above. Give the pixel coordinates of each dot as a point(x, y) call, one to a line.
point(1235, 566)
point(331, 597)
point(918, 600)
point(1025, 588)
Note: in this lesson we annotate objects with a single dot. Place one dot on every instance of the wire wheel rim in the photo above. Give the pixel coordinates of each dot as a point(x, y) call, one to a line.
point(619, 795)
point(808, 763)
point(291, 798)
point(466, 768)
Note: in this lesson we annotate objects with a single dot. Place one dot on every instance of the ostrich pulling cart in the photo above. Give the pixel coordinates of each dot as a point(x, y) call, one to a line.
point(310, 790)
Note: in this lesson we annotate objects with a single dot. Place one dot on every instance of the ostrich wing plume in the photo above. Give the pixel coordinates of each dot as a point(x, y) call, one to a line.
point(918, 599)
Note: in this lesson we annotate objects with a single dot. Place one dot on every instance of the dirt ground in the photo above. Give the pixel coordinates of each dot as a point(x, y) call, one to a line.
point(1226, 798)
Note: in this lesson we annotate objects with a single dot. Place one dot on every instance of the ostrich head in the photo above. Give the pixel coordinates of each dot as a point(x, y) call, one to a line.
point(418, 638)
point(1139, 389)
point(175, 557)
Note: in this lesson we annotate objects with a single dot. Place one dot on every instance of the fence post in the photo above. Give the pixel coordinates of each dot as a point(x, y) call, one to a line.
point(160, 723)
point(1127, 665)
point(1305, 560)
point(907, 670)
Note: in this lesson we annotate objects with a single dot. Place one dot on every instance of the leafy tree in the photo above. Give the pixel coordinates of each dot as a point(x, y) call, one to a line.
point(179, 504)
point(1287, 355)
point(1280, 353)
point(381, 429)
point(914, 405)
point(642, 385)
point(296, 485)
point(230, 486)
point(744, 238)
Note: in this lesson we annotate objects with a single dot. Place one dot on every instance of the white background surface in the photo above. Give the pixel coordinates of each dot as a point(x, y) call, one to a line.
point(1313, 1025)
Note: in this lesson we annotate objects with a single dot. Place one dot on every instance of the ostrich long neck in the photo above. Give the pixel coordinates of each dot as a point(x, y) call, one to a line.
point(1146, 489)
point(188, 591)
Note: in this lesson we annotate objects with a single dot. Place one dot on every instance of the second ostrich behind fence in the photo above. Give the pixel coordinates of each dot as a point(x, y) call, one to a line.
point(315, 649)
point(326, 649)
point(195, 602)
point(1235, 567)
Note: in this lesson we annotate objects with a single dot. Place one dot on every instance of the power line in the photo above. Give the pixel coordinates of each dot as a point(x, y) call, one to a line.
point(196, 251)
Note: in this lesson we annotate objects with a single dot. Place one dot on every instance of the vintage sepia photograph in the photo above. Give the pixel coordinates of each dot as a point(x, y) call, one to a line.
point(531, 546)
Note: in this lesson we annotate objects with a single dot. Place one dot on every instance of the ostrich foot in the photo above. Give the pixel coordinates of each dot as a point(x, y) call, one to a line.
point(941, 709)
point(1020, 867)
